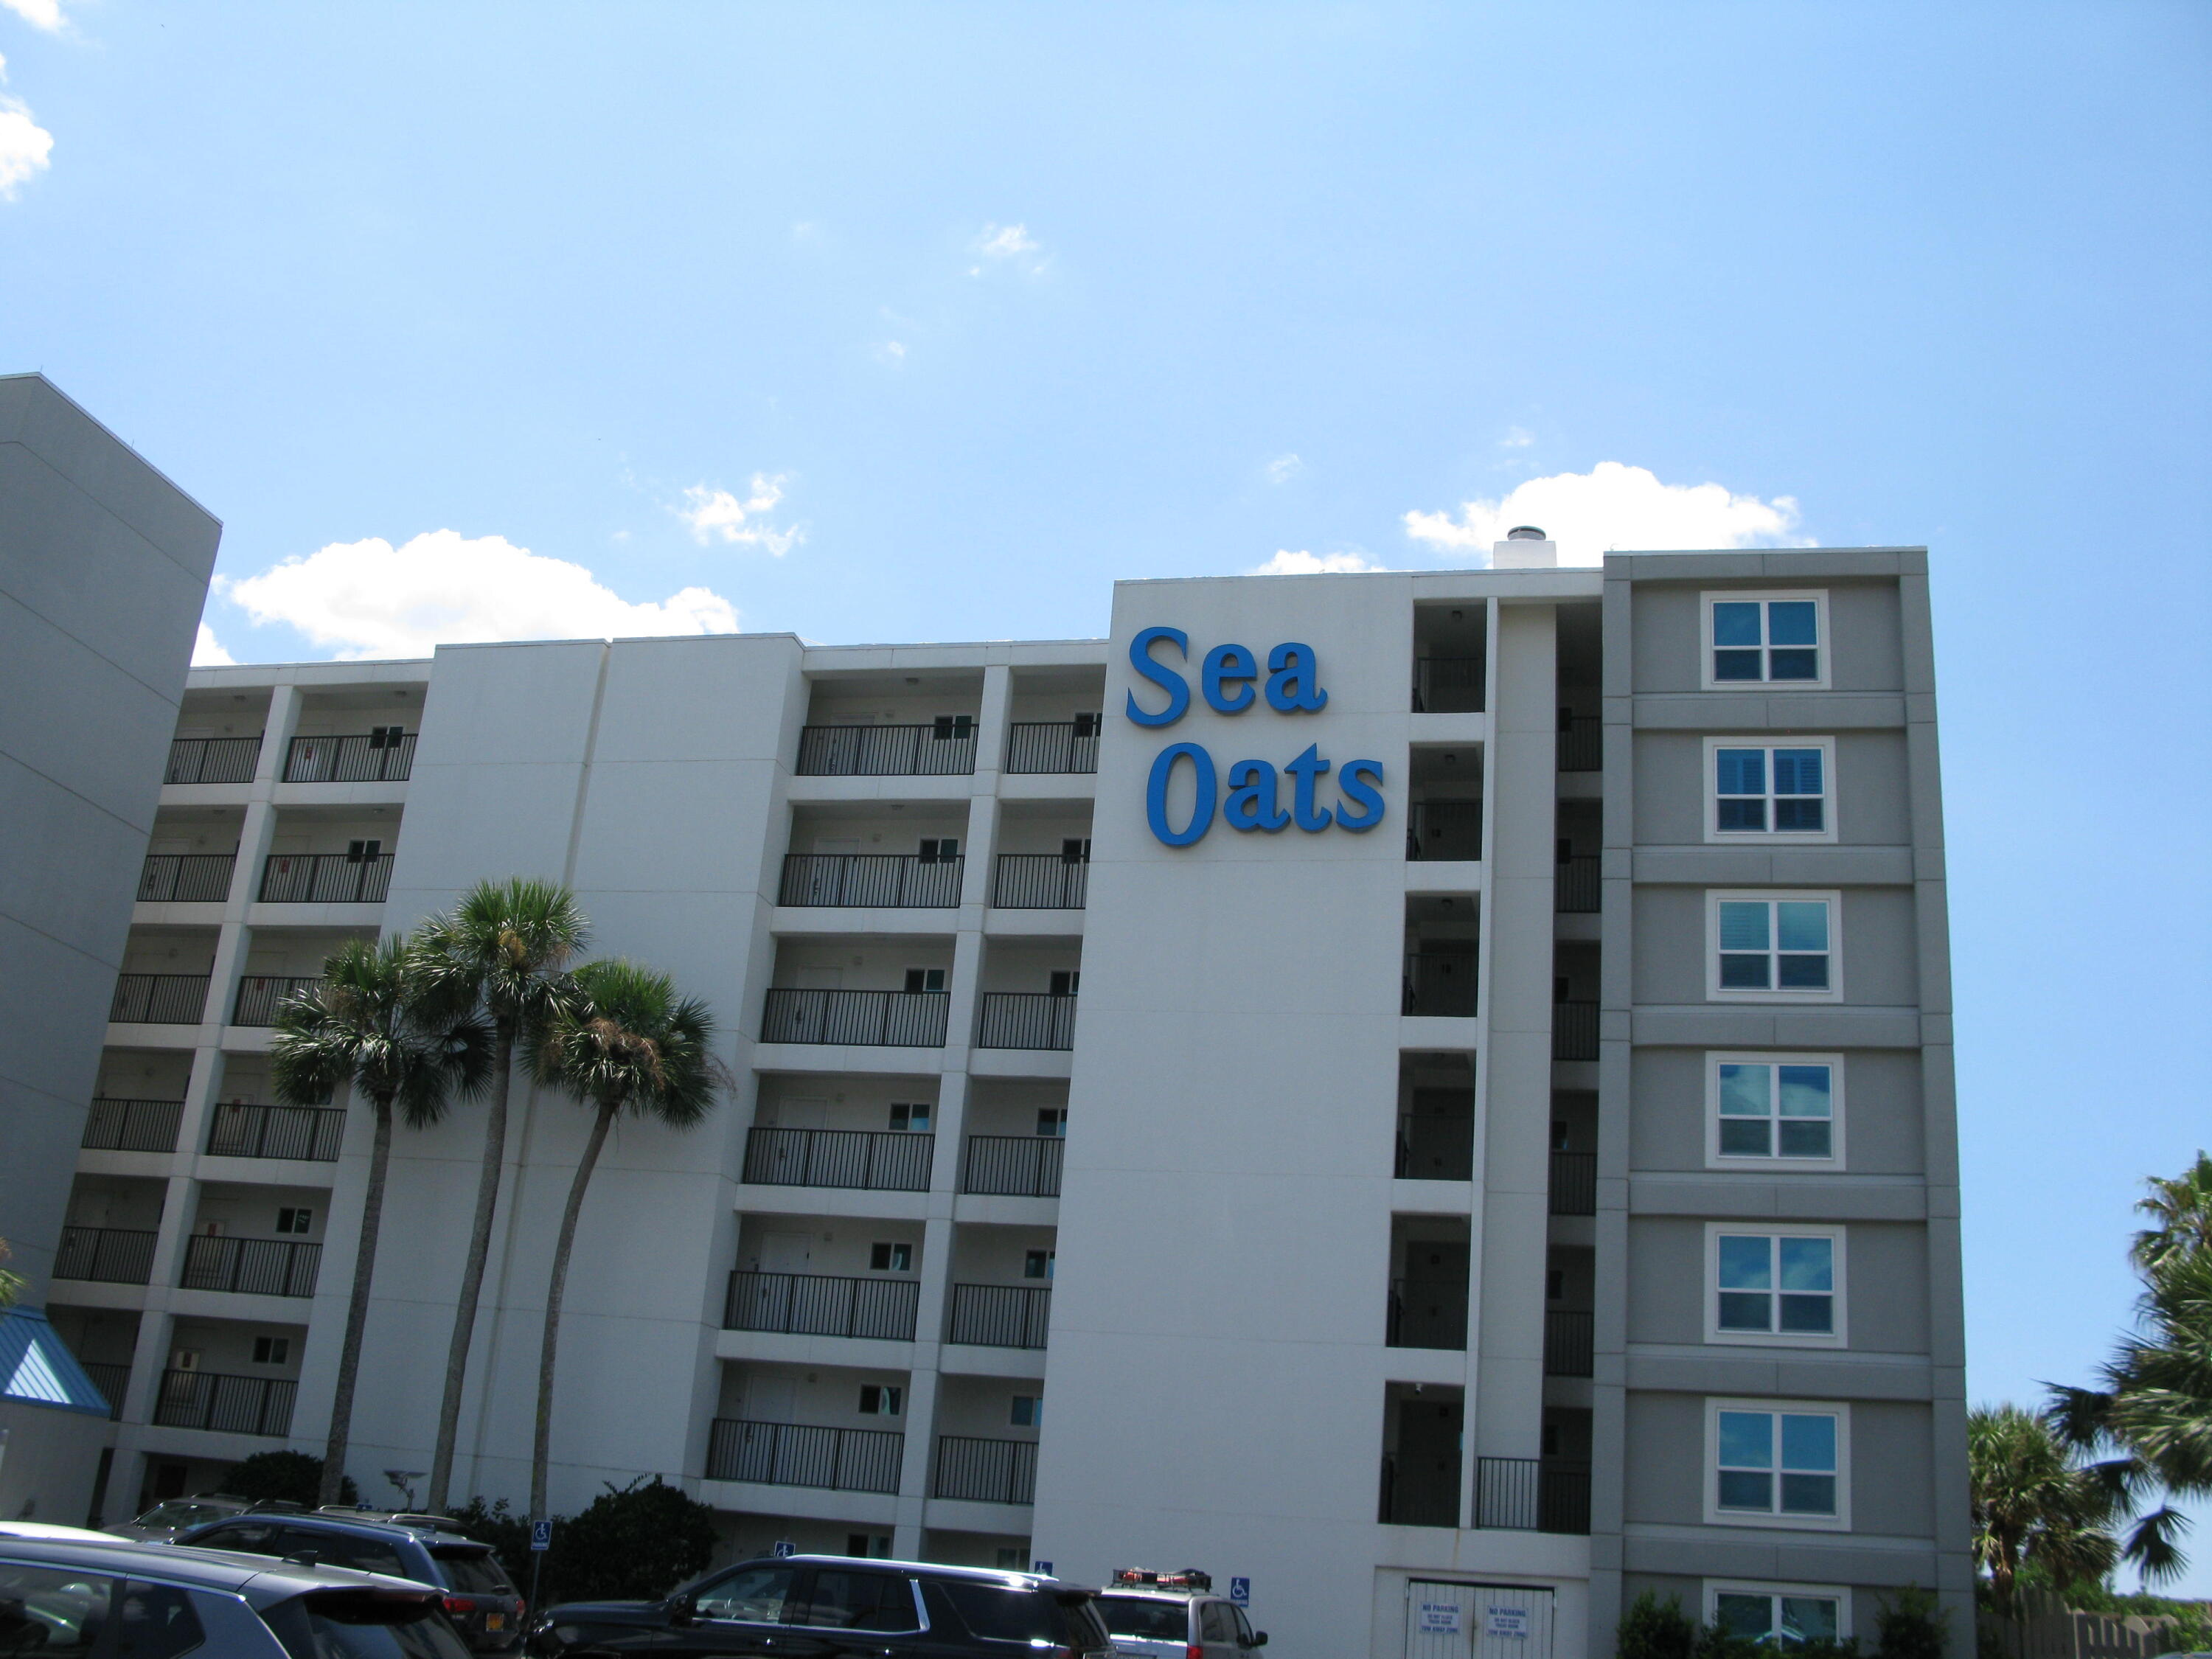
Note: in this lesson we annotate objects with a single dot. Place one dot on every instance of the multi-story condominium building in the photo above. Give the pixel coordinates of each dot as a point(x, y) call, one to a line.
point(1443, 1081)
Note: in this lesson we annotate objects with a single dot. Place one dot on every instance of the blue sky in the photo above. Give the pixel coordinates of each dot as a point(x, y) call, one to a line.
point(884, 322)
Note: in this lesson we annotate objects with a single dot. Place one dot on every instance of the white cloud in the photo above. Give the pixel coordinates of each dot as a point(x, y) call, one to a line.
point(713, 513)
point(39, 14)
point(25, 146)
point(1284, 468)
point(1006, 242)
point(206, 654)
point(1516, 437)
point(892, 352)
point(368, 598)
point(1614, 505)
point(1302, 563)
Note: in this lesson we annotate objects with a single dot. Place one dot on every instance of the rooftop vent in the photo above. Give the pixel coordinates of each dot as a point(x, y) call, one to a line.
point(1526, 532)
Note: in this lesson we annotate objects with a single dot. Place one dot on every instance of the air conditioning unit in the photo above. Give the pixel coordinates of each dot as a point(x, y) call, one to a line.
point(185, 1359)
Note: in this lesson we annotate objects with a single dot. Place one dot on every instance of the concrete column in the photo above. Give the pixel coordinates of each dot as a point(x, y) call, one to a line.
point(1507, 1393)
point(991, 727)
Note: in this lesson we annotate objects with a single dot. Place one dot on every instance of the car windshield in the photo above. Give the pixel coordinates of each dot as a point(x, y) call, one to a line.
point(473, 1572)
point(1144, 1618)
point(342, 1624)
point(180, 1512)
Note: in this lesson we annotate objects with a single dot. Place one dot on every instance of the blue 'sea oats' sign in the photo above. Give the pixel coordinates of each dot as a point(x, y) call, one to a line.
point(1224, 680)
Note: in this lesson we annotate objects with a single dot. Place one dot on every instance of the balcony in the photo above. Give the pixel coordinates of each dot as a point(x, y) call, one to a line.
point(227, 1405)
point(1040, 881)
point(1575, 887)
point(111, 1380)
point(159, 998)
point(1582, 743)
point(324, 878)
point(212, 760)
point(797, 1455)
point(1053, 746)
point(385, 756)
point(1000, 1316)
point(1445, 830)
point(1530, 1494)
point(311, 1133)
point(1440, 981)
point(106, 1255)
point(867, 1019)
point(185, 877)
point(1574, 1183)
point(890, 881)
point(1014, 1166)
point(132, 1126)
point(1567, 1342)
point(1448, 685)
point(251, 1267)
point(874, 1160)
point(985, 1471)
point(260, 996)
point(1026, 1019)
point(822, 1304)
point(942, 748)
point(1429, 1313)
point(1574, 1031)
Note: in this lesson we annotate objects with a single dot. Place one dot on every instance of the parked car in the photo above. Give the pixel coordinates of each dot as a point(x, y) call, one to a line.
point(479, 1598)
point(168, 1518)
point(40, 1529)
point(907, 1609)
point(1175, 1615)
point(159, 1600)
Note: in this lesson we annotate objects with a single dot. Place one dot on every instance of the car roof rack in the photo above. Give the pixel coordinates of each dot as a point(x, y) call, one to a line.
point(395, 1517)
point(277, 1506)
point(1190, 1578)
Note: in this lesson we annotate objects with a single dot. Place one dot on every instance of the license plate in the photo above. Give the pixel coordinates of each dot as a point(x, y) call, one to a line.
point(495, 1622)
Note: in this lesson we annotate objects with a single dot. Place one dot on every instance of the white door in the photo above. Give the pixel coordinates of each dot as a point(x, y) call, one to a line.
point(772, 1399)
point(785, 1253)
point(1447, 1620)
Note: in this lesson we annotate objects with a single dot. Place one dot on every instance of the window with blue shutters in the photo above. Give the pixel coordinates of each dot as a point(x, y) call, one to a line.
point(1774, 792)
point(1766, 639)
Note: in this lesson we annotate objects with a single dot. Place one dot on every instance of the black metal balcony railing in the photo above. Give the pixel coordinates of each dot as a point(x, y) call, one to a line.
point(1567, 1341)
point(875, 1160)
point(372, 758)
point(159, 998)
point(132, 1126)
point(1574, 1183)
point(986, 1471)
point(1429, 1315)
point(798, 1454)
point(1445, 830)
point(822, 1304)
point(890, 881)
point(1582, 743)
point(1053, 746)
point(1574, 1031)
point(1448, 685)
point(185, 877)
point(1575, 887)
point(1440, 984)
point(1014, 1166)
point(253, 1266)
point(1026, 1019)
point(324, 878)
point(1040, 881)
point(1435, 1147)
point(111, 1380)
point(229, 1404)
point(882, 751)
point(1529, 1494)
point(1433, 1502)
point(867, 1019)
point(1000, 1315)
point(261, 995)
point(106, 1255)
point(311, 1133)
point(212, 760)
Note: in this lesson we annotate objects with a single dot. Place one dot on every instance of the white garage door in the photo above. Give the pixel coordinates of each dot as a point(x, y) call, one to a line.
point(1448, 1620)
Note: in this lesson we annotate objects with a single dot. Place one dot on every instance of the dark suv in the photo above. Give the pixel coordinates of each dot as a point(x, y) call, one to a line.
point(828, 1606)
point(480, 1598)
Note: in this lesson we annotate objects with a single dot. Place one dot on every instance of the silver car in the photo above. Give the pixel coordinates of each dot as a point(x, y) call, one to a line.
point(162, 1601)
point(1147, 1623)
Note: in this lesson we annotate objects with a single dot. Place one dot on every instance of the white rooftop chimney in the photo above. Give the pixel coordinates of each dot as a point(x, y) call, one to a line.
point(1525, 548)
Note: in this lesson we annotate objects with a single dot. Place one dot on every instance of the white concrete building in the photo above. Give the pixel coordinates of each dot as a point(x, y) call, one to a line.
point(1504, 1159)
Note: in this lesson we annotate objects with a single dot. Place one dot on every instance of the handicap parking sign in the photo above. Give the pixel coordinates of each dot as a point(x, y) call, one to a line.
point(1240, 1591)
point(541, 1535)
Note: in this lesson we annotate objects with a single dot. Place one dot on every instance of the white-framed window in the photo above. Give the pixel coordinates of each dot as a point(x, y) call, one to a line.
point(291, 1220)
point(1771, 791)
point(1778, 1463)
point(272, 1350)
point(1052, 1122)
point(882, 1398)
point(1039, 1264)
point(924, 979)
point(1768, 945)
point(1774, 1111)
point(1787, 1615)
point(892, 1258)
point(1027, 1412)
point(1764, 639)
point(1774, 1285)
point(910, 1117)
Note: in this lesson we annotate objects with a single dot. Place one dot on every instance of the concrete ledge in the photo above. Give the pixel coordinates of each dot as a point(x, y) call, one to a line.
point(962, 1515)
point(1777, 1554)
point(973, 1359)
point(847, 1057)
point(1792, 1376)
point(836, 1353)
point(958, 786)
point(858, 921)
point(1726, 864)
point(1004, 1210)
point(1791, 711)
point(1032, 924)
point(858, 1202)
point(1052, 1063)
point(1077, 786)
point(377, 793)
point(1724, 1196)
point(872, 1510)
point(1724, 1026)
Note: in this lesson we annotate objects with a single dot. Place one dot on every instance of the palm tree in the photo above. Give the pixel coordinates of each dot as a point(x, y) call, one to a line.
point(2181, 1212)
point(363, 1025)
point(2034, 1505)
point(626, 1043)
point(502, 951)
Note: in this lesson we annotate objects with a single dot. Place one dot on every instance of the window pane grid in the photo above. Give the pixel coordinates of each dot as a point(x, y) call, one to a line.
point(1771, 640)
point(1801, 1481)
point(1775, 1110)
point(1766, 1616)
point(1774, 1284)
point(1759, 790)
point(1774, 944)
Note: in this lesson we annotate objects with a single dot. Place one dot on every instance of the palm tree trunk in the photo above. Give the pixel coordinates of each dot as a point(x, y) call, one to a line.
point(364, 1270)
point(472, 1270)
point(541, 1449)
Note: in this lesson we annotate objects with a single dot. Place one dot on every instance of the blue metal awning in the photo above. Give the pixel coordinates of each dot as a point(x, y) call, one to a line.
point(37, 1368)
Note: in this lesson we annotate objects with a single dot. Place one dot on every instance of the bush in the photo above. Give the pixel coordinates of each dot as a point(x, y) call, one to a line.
point(631, 1543)
point(290, 1476)
point(1911, 1626)
point(1652, 1629)
point(508, 1535)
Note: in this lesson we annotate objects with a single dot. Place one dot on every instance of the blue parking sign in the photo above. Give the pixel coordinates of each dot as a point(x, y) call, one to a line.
point(1042, 1569)
point(1240, 1591)
point(541, 1535)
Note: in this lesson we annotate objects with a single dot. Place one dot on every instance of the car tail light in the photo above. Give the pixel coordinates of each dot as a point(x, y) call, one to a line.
point(1193, 1651)
point(459, 1605)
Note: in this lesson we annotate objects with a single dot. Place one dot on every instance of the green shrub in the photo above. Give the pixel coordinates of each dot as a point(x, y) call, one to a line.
point(1910, 1625)
point(295, 1477)
point(631, 1543)
point(1652, 1629)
